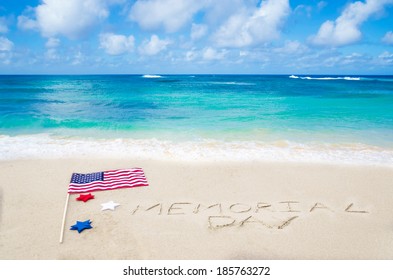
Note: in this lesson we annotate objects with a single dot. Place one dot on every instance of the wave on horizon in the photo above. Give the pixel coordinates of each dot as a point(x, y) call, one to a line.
point(149, 76)
point(325, 78)
point(233, 83)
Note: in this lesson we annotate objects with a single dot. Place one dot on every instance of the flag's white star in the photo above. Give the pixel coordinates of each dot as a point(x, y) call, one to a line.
point(109, 206)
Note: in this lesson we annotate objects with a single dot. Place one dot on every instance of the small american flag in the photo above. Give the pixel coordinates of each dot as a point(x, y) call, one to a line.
point(107, 180)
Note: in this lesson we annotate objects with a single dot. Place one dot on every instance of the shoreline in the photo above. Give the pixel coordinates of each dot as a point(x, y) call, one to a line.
point(26, 147)
point(200, 210)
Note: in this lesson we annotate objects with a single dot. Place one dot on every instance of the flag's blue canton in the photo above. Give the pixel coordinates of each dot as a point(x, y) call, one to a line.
point(78, 178)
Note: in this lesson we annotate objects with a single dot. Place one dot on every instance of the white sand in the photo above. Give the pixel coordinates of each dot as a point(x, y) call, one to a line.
point(336, 212)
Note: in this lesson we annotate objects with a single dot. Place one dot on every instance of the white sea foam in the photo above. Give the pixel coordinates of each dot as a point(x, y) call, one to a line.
point(43, 146)
point(352, 78)
point(326, 78)
point(148, 76)
point(332, 78)
point(378, 79)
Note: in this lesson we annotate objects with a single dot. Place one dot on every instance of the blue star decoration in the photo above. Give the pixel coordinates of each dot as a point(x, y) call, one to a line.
point(80, 226)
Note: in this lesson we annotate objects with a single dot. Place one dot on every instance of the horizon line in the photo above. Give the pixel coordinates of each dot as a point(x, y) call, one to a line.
point(185, 74)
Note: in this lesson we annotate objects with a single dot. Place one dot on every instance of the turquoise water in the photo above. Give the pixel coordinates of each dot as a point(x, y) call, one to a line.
point(322, 109)
point(191, 117)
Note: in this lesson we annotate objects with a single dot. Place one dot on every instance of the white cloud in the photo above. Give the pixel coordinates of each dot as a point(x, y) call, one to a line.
point(388, 38)
point(386, 58)
point(303, 10)
point(51, 54)
point(321, 5)
point(71, 18)
point(198, 31)
point(292, 47)
point(3, 25)
point(5, 58)
point(253, 26)
point(5, 44)
point(244, 53)
point(52, 43)
point(345, 29)
point(78, 58)
point(217, 12)
point(115, 44)
point(26, 23)
point(191, 55)
point(213, 54)
point(353, 59)
point(153, 46)
point(169, 14)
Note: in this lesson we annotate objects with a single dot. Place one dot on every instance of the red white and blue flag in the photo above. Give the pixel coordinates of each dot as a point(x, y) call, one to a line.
point(107, 180)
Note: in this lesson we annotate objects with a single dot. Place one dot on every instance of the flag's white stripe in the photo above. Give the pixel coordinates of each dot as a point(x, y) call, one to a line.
point(106, 184)
point(93, 188)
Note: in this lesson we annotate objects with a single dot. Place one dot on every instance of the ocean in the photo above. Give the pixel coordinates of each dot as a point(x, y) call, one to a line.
point(346, 119)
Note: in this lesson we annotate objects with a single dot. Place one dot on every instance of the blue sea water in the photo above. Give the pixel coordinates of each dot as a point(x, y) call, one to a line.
point(337, 111)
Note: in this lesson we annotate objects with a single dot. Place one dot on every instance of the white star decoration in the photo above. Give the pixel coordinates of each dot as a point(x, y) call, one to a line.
point(109, 206)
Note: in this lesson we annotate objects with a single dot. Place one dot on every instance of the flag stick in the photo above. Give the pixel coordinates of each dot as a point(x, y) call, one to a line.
point(64, 217)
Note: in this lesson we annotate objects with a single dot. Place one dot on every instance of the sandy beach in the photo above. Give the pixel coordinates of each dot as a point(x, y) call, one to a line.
point(200, 210)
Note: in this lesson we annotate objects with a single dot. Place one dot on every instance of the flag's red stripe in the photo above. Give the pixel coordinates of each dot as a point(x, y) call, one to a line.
point(76, 186)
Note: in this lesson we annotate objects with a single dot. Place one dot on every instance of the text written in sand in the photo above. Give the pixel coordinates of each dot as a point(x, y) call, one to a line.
point(273, 216)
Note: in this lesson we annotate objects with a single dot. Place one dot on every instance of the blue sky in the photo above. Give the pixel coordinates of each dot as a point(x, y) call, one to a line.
point(190, 36)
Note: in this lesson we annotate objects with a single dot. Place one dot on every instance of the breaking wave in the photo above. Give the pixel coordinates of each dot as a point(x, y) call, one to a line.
point(148, 76)
point(31, 147)
point(326, 78)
